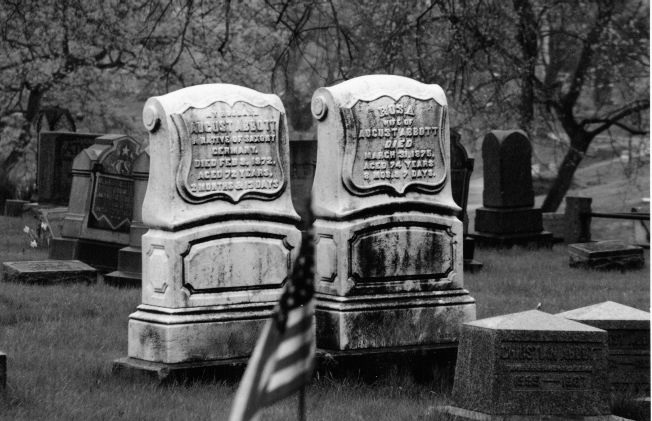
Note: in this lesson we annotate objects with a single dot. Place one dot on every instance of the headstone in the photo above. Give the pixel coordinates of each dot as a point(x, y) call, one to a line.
point(461, 169)
point(577, 219)
point(48, 272)
point(14, 207)
point(3, 370)
point(629, 343)
point(104, 211)
point(388, 253)
point(530, 365)
point(223, 232)
point(642, 228)
point(508, 216)
point(56, 152)
point(303, 158)
point(608, 254)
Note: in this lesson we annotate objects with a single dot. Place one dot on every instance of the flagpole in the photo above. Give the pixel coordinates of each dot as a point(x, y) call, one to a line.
point(302, 403)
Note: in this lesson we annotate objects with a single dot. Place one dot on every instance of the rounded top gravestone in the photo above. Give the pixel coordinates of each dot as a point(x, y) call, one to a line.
point(507, 156)
point(218, 151)
point(386, 148)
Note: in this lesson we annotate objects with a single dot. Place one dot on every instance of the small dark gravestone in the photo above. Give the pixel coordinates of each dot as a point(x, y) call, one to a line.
point(303, 158)
point(48, 272)
point(461, 169)
point(529, 365)
point(508, 216)
point(104, 212)
point(389, 268)
point(3, 370)
point(14, 207)
point(608, 254)
point(224, 232)
point(56, 152)
point(629, 343)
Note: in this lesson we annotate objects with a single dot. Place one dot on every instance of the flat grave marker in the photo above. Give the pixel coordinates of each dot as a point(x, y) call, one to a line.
point(48, 272)
point(607, 254)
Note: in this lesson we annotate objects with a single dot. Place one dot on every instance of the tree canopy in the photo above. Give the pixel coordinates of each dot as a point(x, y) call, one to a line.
point(581, 67)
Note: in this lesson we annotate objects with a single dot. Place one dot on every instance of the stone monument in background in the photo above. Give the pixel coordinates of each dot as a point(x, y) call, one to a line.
point(103, 224)
point(508, 215)
point(56, 152)
point(389, 243)
point(222, 231)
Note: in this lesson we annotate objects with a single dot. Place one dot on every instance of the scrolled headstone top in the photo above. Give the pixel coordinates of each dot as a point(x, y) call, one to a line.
point(390, 145)
point(219, 145)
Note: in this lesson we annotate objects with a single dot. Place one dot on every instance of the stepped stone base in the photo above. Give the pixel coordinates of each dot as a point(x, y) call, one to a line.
point(456, 413)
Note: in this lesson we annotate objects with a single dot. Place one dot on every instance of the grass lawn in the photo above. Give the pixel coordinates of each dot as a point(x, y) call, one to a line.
point(61, 341)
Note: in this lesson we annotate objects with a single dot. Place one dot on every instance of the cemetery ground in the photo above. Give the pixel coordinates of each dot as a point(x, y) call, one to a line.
point(61, 341)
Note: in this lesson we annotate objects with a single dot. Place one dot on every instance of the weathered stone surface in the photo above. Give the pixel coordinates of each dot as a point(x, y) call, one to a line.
point(388, 253)
point(608, 254)
point(629, 342)
point(532, 363)
point(48, 272)
point(507, 156)
point(223, 233)
point(56, 152)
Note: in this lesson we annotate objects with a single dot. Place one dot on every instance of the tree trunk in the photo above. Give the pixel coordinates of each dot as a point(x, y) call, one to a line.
point(578, 147)
point(527, 39)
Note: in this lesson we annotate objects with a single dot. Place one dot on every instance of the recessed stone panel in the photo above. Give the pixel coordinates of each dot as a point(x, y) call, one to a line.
point(394, 145)
point(241, 262)
point(229, 152)
point(401, 252)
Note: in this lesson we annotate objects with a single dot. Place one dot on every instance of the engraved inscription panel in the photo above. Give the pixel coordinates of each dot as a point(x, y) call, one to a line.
point(394, 145)
point(402, 252)
point(229, 152)
point(549, 366)
point(112, 203)
point(231, 263)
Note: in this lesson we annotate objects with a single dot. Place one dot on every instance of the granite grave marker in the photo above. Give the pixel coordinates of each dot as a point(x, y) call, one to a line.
point(48, 272)
point(222, 226)
point(508, 215)
point(529, 365)
point(388, 253)
point(629, 343)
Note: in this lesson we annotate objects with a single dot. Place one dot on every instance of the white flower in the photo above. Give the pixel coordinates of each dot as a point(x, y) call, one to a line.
point(44, 226)
point(33, 244)
point(26, 229)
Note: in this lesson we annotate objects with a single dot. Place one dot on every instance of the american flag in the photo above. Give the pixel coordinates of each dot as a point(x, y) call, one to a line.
point(283, 359)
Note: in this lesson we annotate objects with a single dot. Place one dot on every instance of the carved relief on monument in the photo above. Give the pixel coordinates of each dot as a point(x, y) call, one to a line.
point(229, 152)
point(393, 146)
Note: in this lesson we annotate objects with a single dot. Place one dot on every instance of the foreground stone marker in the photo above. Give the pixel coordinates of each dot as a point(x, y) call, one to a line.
point(389, 250)
point(629, 343)
point(529, 365)
point(508, 216)
point(48, 272)
point(608, 254)
point(103, 218)
point(222, 227)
